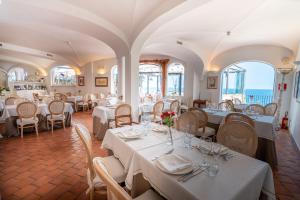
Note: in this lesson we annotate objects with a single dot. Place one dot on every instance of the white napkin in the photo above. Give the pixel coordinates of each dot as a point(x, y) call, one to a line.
point(129, 134)
point(216, 148)
point(173, 163)
point(160, 129)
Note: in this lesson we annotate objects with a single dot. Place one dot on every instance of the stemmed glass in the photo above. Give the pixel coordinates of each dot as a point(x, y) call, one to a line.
point(146, 121)
point(188, 136)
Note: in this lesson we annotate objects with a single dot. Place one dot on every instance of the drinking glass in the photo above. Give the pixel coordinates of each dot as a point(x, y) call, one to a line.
point(146, 121)
point(187, 140)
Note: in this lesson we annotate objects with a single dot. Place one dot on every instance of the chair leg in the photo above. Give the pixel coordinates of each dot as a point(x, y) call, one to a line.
point(21, 131)
point(63, 122)
point(92, 193)
point(52, 124)
point(36, 129)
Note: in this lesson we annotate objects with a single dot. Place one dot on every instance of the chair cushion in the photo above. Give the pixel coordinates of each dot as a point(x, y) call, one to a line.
point(114, 168)
point(56, 117)
point(208, 132)
point(149, 195)
point(27, 121)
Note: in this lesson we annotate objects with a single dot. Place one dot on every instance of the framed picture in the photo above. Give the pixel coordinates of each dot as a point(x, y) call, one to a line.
point(80, 80)
point(212, 82)
point(101, 81)
point(297, 86)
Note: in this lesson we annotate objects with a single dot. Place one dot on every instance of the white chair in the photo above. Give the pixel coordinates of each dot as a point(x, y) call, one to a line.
point(84, 103)
point(113, 165)
point(57, 115)
point(27, 117)
point(114, 190)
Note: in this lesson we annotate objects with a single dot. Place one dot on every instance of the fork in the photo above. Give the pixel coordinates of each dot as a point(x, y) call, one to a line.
point(168, 152)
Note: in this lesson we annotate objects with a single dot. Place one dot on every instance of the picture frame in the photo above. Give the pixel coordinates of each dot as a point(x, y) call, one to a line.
point(80, 81)
point(212, 82)
point(101, 81)
point(297, 86)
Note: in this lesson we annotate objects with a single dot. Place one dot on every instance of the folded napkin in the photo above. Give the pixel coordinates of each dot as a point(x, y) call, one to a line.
point(160, 129)
point(129, 134)
point(216, 148)
point(173, 163)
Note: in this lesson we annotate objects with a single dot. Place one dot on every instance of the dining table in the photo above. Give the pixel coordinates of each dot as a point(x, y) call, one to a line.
point(264, 127)
point(240, 177)
point(10, 114)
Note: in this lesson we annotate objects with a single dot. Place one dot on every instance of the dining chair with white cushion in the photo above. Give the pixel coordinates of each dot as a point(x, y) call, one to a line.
point(123, 115)
point(114, 190)
point(112, 164)
point(157, 111)
point(203, 130)
point(238, 136)
point(27, 117)
point(256, 108)
point(187, 122)
point(175, 107)
point(10, 100)
point(57, 116)
point(84, 103)
point(225, 106)
point(239, 117)
point(270, 109)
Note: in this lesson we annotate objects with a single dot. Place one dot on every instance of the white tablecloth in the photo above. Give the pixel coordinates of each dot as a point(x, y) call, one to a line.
point(124, 151)
point(241, 177)
point(104, 113)
point(264, 125)
point(2, 104)
point(11, 110)
point(74, 99)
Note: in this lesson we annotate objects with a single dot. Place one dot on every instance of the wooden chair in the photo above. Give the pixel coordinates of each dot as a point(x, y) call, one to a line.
point(10, 100)
point(188, 122)
point(69, 94)
point(113, 165)
point(238, 136)
point(84, 103)
point(203, 130)
point(225, 106)
point(114, 190)
point(175, 107)
point(239, 117)
point(270, 109)
point(157, 111)
point(60, 96)
point(57, 113)
point(27, 117)
point(230, 102)
point(256, 108)
point(123, 115)
point(35, 96)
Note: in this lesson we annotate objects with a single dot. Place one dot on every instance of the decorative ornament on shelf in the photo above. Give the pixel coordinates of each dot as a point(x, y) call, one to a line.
point(168, 119)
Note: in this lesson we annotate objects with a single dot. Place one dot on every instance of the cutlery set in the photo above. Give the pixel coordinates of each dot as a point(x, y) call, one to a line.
point(197, 170)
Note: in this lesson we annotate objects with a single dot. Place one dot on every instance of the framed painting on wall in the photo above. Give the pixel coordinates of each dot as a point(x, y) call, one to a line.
point(101, 81)
point(80, 80)
point(297, 86)
point(212, 82)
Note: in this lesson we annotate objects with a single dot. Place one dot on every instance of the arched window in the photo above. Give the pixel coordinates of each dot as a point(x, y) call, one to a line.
point(63, 75)
point(248, 81)
point(150, 79)
point(175, 84)
point(16, 74)
point(114, 80)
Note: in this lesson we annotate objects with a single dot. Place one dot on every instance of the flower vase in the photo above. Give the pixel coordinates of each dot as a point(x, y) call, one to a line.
point(170, 139)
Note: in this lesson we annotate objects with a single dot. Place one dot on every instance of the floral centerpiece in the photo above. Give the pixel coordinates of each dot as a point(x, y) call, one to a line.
point(168, 119)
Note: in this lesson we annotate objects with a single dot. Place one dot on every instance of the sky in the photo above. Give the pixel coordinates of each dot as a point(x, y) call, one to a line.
point(258, 75)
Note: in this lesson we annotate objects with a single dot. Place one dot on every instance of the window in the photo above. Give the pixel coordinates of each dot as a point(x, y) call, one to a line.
point(250, 82)
point(175, 84)
point(16, 74)
point(63, 75)
point(149, 79)
point(114, 80)
point(3, 79)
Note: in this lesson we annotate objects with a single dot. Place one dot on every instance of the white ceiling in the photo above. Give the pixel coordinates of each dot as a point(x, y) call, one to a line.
point(76, 32)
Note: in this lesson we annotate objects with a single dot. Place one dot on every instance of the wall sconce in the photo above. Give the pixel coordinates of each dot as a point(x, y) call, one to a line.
point(213, 68)
point(101, 70)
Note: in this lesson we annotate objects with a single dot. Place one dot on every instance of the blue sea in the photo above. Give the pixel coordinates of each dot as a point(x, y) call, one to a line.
point(260, 96)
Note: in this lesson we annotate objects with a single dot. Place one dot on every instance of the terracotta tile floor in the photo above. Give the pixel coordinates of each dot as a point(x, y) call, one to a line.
point(53, 166)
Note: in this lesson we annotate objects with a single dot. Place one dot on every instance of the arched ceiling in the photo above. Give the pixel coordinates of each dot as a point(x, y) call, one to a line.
point(79, 31)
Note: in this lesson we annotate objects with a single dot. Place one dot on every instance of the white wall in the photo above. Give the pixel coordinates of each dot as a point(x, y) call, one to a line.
point(294, 115)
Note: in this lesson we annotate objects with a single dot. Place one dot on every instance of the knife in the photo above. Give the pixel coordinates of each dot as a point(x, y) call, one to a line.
point(193, 174)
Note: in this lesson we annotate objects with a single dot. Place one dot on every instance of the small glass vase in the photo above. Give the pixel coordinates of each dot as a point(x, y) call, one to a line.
point(170, 137)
